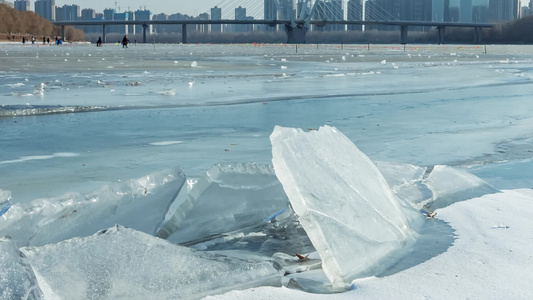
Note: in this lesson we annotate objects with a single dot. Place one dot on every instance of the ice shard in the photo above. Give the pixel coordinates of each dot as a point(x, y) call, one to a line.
point(450, 185)
point(122, 263)
point(5, 203)
point(17, 280)
point(136, 203)
point(229, 197)
point(343, 202)
point(407, 182)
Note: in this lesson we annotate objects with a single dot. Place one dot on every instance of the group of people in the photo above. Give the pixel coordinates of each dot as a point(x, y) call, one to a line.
point(125, 41)
point(46, 40)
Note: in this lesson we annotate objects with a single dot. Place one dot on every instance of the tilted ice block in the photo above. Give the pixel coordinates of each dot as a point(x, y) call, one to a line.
point(121, 263)
point(17, 280)
point(136, 203)
point(229, 197)
point(450, 185)
point(344, 204)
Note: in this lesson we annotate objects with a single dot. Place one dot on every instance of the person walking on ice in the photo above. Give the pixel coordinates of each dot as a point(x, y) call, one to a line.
point(125, 41)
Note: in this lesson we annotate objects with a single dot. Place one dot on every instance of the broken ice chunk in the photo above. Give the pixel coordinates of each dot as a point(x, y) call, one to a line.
point(136, 203)
point(17, 280)
point(344, 204)
point(121, 263)
point(230, 196)
point(450, 185)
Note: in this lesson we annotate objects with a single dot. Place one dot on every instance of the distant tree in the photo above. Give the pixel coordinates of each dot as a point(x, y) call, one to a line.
point(29, 23)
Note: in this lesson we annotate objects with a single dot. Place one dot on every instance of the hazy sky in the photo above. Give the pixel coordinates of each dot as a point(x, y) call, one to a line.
point(190, 7)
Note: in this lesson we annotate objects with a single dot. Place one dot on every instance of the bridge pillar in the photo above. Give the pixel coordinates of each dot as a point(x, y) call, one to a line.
point(63, 33)
point(184, 33)
point(144, 32)
point(403, 34)
point(477, 35)
point(295, 35)
point(441, 34)
point(103, 33)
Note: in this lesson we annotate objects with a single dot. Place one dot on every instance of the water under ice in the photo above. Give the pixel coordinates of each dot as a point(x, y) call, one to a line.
point(121, 263)
point(137, 203)
point(343, 202)
point(17, 280)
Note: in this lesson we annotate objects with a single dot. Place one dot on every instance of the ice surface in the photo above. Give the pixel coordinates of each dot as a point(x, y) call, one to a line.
point(230, 196)
point(17, 280)
point(343, 202)
point(121, 263)
point(136, 203)
point(450, 185)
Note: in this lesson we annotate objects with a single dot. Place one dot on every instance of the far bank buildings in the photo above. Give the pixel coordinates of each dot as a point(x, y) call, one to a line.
point(406, 10)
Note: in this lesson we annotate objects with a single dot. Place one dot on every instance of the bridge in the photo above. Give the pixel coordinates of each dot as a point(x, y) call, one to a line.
point(296, 21)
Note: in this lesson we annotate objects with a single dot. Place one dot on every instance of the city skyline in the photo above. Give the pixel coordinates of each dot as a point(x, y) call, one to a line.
point(192, 8)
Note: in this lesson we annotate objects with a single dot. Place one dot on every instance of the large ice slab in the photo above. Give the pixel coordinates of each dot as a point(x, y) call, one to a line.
point(136, 203)
point(344, 204)
point(121, 263)
point(17, 280)
point(229, 197)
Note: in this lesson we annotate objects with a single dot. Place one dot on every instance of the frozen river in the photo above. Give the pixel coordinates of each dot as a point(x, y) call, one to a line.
point(148, 107)
point(75, 118)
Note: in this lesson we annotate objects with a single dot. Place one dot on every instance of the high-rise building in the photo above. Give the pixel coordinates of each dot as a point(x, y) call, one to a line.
point(67, 13)
point(480, 13)
point(109, 14)
point(86, 15)
point(46, 9)
point(22, 5)
point(131, 17)
point(335, 13)
point(122, 29)
point(216, 14)
point(143, 15)
point(437, 11)
point(503, 10)
point(465, 11)
point(270, 12)
point(159, 28)
point(240, 14)
point(355, 13)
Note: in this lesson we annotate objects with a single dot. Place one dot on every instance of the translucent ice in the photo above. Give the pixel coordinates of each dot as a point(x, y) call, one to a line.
point(450, 185)
point(407, 182)
point(344, 204)
point(121, 263)
point(5, 203)
point(17, 280)
point(136, 203)
point(230, 196)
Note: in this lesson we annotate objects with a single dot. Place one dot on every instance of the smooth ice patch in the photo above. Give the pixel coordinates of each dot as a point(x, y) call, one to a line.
point(166, 143)
point(39, 157)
